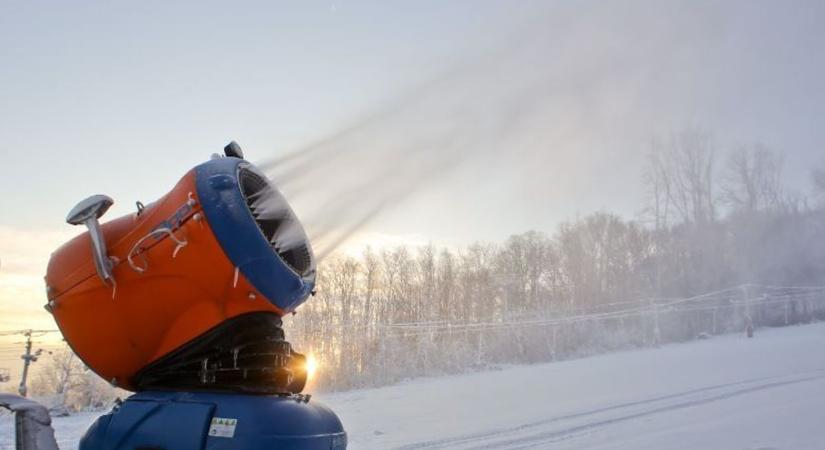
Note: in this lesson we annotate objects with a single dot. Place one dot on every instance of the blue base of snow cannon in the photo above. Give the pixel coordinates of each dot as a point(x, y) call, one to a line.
point(156, 420)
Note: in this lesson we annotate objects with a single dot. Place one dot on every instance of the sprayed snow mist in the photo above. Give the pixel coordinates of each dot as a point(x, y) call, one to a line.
point(562, 106)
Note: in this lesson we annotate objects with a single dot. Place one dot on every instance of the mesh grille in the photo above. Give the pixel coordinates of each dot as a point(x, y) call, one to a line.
point(276, 221)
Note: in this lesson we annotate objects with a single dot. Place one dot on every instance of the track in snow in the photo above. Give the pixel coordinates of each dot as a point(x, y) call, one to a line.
point(569, 426)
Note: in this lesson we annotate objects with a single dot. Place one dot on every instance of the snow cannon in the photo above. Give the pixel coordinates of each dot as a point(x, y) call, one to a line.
point(182, 301)
point(222, 252)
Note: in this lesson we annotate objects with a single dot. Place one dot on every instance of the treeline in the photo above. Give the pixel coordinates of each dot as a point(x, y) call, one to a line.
point(711, 221)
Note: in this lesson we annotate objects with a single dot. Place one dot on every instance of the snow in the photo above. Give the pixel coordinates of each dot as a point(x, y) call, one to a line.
point(725, 392)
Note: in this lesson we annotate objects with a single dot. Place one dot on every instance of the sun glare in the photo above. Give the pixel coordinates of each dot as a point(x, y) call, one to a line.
point(312, 366)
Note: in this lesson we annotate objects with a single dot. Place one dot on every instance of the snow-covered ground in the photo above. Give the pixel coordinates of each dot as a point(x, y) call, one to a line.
point(726, 392)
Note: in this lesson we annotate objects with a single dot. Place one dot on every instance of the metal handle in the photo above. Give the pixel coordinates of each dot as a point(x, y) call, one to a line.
point(88, 212)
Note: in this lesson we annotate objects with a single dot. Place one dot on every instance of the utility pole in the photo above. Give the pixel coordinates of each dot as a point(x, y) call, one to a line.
point(28, 358)
point(748, 316)
point(657, 337)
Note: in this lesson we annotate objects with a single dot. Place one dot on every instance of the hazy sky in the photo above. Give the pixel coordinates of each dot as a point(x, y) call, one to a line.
point(512, 115)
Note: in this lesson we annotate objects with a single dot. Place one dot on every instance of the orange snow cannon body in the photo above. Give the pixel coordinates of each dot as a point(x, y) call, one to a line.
point(221, 251)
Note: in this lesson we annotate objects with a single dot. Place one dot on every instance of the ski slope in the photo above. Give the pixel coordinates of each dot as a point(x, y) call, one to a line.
point(727, 392)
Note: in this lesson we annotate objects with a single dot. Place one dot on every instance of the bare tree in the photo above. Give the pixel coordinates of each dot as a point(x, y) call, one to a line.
point(753, 180)
point(656, 178)
point(70, 384)
point(58, 376)
point(680, 179)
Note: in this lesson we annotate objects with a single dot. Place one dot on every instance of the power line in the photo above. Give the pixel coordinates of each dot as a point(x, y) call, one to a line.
point(720, 299)
point(24, 331)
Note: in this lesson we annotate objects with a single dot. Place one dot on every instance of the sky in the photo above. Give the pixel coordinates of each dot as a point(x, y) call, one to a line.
point(443, 122)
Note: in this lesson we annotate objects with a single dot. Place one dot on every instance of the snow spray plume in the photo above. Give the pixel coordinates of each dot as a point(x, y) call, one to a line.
point(362, 171)
point(535, 105)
